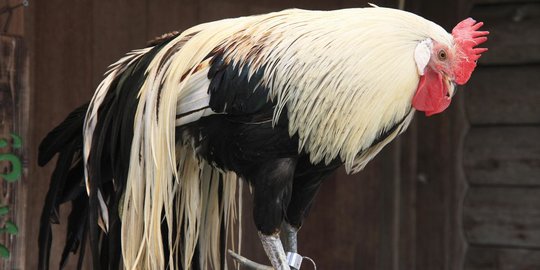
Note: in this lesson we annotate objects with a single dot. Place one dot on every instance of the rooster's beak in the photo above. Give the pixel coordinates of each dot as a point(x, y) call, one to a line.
point(451, 86)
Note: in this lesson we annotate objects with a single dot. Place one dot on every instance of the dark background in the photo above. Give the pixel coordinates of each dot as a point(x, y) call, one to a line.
point(460, 190)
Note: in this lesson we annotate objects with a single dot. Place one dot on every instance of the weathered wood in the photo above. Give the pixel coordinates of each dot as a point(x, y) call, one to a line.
point(344, 229)
point(389, 171)
point(13, 104)
point(440, 190)
point(165, 16)
point(407, 200)
point(503, 216)
point(514, 31)
point(504, 95)
point(118, 27)
point(211, 10)
point(486, 258)
point(487, 2)
point(62, 67)
point(503, 156)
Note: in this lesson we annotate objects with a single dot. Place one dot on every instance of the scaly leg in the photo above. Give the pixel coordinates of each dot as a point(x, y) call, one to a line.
point(274, 250)
point(272, 191)
point(290, 237)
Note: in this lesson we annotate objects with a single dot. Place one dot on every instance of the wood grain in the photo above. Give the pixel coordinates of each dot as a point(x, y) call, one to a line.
point(119, 26)
point(407, 200)
point(504, 95)
point(165, 16)
point(514, 31)
point(503, 216)
point(343, 230)
point(13, 101)
point(62, 80)
point(503, 156)
point(492, 258)
point(439, 193)
point(211, 10)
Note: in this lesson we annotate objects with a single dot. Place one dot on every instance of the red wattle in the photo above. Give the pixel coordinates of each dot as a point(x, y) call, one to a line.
point(431, 96)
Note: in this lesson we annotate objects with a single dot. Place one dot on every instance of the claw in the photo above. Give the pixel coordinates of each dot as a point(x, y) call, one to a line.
point(247, 263)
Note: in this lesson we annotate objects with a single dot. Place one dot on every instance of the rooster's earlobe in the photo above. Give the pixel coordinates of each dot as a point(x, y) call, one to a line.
point(422, 54)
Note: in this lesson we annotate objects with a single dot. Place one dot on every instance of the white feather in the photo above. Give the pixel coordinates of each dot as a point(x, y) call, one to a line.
point(91, 119)
point(194, 101)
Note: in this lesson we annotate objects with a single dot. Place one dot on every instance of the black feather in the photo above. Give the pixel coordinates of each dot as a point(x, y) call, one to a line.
point(77, 224)
point(232, 90)
point(109, 157)
point(61, 135)
point(58, 180)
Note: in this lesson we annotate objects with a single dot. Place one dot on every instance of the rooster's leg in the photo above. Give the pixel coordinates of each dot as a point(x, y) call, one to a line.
point(274, 250)
point(272, 189)
point(289, 235)
point(306, 184)
point(272, 185)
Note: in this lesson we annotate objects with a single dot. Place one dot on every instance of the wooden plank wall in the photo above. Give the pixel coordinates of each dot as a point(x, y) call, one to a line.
point(405, 210)
point(402, 212)
point(502, 148)
point(438, 182)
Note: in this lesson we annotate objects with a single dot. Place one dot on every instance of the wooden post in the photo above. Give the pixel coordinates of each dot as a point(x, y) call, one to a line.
point(13, 113)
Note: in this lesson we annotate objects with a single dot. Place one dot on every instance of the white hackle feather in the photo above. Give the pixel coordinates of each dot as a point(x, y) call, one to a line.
point(91, 119)
point(343, 77)
point(340, 74)
point(193, 104)
point(175, 171)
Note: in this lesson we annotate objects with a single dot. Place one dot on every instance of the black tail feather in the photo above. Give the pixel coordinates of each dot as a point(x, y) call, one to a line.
point(60, 136)
point(83, 249)
point(77, 226)
point(50, 209)
point(66, 139)
point(108, 161)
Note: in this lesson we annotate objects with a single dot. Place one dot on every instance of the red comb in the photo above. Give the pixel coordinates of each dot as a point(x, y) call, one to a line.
point(466, 38)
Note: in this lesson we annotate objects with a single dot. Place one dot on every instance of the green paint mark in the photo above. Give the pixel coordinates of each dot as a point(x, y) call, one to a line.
point(10, 228)
point(17, 141)
point(15, 175)
point(4, 252)
point(4, 210)
point(16, 167)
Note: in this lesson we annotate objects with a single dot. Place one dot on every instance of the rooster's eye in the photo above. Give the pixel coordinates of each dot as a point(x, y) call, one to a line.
point(442, 55)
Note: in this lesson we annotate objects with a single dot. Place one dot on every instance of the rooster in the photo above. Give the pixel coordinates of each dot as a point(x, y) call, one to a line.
point(281, 100)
